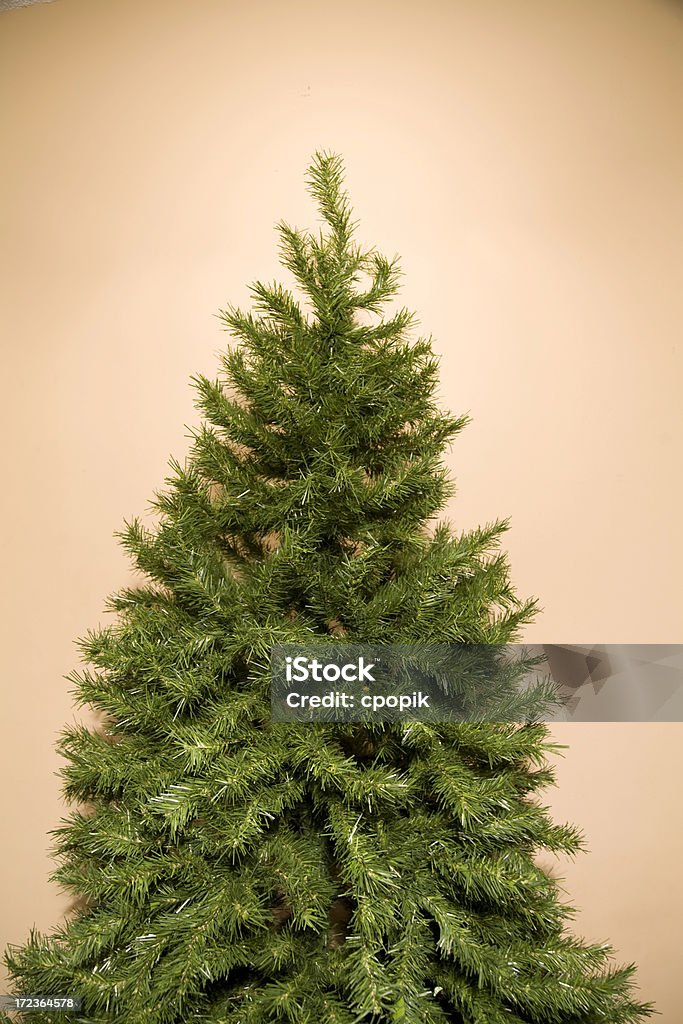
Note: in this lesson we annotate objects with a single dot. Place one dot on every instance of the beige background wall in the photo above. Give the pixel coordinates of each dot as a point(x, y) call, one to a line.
point(526, 160)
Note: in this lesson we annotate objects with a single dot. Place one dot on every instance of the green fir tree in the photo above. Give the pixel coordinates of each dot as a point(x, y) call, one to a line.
point(233, 870)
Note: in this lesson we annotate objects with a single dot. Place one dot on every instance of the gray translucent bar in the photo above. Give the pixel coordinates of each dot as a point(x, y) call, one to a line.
point(351, 682)
point(40, 1004)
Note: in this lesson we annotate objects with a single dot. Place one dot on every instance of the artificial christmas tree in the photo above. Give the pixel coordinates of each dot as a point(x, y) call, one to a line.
point(236, 870)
